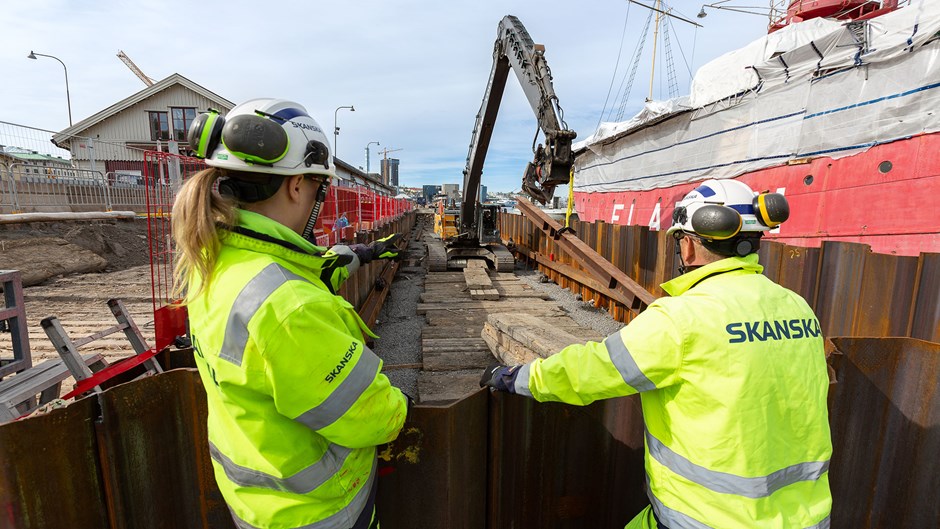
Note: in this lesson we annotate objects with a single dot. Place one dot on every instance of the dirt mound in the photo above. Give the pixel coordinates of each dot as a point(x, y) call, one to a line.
point(43, 250)
point(45, 257)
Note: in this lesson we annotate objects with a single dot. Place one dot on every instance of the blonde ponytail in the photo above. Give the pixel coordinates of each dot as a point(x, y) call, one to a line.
point(196, 212)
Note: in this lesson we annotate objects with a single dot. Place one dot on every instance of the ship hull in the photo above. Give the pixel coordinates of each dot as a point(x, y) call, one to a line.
point(883, 197)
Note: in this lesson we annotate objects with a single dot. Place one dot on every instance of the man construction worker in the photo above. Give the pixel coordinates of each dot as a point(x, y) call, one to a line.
point(297, 402)
point(732, 375)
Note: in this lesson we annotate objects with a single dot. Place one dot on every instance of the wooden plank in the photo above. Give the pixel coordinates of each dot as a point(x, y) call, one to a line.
point(462, 331)
point(485, 294)
point(476, 278)
point(538, 336)
point(509, 352)
point(443, 277)
point(434, 386)
point(458, 360)
point(447, 319)
point(432, 345)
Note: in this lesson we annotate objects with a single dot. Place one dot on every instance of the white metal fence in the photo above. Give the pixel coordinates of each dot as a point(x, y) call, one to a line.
point(27, 188)
point(38, 176)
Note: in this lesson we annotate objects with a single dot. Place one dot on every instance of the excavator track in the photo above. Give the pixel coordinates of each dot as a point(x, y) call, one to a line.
point(505, 262)
point(437, 255)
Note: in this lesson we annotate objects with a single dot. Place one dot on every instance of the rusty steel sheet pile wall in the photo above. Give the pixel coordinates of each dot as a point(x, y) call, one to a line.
point(136, 456)
point(565, 467)
point(885, 419)
point(853, 291)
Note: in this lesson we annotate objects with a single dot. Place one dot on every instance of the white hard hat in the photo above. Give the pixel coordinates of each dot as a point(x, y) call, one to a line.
point(267, 136)
point(721, 209)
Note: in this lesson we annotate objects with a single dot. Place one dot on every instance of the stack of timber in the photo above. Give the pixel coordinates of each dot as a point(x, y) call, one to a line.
point(453, 351)
point(518, 338)
point(478, 281)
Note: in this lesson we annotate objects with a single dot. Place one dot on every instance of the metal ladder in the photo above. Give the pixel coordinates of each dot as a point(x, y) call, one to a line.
point(68, 350)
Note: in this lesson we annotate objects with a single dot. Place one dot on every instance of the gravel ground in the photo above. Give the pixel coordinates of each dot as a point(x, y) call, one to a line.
point(399, 325)
point(583, 312)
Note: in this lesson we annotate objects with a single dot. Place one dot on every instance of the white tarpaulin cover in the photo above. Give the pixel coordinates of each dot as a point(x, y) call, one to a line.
point(834, 91)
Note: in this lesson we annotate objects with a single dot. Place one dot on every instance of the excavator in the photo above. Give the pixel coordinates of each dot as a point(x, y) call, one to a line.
point(477, 230)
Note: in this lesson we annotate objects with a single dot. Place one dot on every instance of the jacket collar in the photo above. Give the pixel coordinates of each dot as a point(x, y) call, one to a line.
point(259, 233)
point(688, 280)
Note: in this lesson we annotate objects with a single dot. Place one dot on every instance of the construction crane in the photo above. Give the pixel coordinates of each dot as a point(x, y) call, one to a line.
point(133, 67)
point(384, 152)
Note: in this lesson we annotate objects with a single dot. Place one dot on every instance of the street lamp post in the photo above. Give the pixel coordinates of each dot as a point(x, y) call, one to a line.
point(336, 128)
point(367, 153)
point(68, 99)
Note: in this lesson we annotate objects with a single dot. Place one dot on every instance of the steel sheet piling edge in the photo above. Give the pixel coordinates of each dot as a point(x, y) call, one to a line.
point(434, 474)
point(925, 320)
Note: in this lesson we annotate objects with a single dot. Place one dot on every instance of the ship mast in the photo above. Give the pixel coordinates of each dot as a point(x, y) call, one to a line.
point(655, 40)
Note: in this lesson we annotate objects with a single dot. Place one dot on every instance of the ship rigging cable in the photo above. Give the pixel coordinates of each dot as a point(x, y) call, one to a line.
point(623, 35)
point(636, 64)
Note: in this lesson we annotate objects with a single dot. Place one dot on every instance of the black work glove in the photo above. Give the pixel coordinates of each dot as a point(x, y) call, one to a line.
point(381, 249)
point(500, 377)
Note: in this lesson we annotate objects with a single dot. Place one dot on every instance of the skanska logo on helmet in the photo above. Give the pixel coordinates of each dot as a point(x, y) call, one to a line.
point(761, 331)
point(298, 125)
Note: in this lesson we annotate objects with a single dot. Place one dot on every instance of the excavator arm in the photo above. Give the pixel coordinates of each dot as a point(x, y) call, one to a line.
point(514, 49)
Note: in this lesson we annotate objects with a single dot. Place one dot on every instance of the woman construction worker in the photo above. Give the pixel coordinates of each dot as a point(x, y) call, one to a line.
point(297, 402)
point(731, 373)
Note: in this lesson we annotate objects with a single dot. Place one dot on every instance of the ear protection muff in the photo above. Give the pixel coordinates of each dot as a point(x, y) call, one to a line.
point(771, 209)
point(205, 132)
point(716, 222)
point(255, 139)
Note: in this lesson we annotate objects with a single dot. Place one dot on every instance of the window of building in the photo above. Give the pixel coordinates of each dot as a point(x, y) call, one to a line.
point(159, 126)
point(182, 117)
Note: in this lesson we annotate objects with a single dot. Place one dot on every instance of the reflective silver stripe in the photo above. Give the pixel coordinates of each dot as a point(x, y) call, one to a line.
point(521, 385)
point(626, 365)
point(247, 303)
point(344, 519)
point(674, 519)
point(302, 482)
point(342, 249)
point(757, 487)
point(345, 394)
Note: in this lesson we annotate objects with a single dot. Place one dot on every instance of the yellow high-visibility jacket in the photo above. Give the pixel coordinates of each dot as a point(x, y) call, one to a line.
point(733, 377)
point(297, 402)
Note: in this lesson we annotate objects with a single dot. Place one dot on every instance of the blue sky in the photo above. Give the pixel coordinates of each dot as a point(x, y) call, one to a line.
point(415, 70)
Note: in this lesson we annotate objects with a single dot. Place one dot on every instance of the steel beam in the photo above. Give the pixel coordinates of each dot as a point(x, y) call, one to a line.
point(613, 278)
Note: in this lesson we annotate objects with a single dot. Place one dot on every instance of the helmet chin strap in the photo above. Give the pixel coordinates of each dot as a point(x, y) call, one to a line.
point(315, 212)
point(682, 266)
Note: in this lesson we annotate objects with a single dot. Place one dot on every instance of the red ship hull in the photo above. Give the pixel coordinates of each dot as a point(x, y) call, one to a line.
point(883, 197)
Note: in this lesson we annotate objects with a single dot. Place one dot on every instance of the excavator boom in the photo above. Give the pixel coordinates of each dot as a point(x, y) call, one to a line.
point(477, 231)
point(514, 49)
